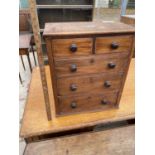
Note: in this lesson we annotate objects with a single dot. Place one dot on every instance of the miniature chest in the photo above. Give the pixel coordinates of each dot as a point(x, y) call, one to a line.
point(89, 62)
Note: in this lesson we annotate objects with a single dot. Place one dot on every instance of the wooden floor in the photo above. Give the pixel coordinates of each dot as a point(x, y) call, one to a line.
point(35, 121)
point(117, 141)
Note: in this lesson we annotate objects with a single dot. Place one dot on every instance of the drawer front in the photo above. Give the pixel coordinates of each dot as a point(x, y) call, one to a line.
point(84, 84)
point(71, 47)
point(92, 64)
point(76, 104)
point(113, 44)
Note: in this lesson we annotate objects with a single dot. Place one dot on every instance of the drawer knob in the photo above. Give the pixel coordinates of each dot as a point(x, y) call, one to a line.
point(73, 105)
point(73, 68)
point(73, 87)
point(104, 102)
point(111, 65)
point(73, 48)
point(107, 84)
point(114, 45)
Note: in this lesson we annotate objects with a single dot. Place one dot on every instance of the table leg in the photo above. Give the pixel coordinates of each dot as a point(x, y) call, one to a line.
point(28, 58)
point(20, 79)
point(22, 62)
point(33, 55)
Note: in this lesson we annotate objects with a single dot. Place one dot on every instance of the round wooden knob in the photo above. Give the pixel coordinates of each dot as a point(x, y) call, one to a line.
point(73, 87)
point(111, 65)
point(73, 68)
point(114, 45)
point(73, 48)
point(104, 102)
point(73, 105)
point(107, 84)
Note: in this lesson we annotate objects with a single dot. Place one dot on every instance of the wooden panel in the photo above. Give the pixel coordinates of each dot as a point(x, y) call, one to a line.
point(85, 103)
point(35, 109)
point(82, 28)
point(128, 19)
point(91, 64)
point(24, 18)
point(115, 141)
point(61, 47)
point(103, 44)
point(83, 84)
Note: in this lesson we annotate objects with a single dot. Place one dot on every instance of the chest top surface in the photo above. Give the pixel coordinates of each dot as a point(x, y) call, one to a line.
point(86, 28)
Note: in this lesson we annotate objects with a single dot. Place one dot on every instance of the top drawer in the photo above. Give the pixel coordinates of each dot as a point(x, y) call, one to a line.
point(113, 44)
point(71, 47)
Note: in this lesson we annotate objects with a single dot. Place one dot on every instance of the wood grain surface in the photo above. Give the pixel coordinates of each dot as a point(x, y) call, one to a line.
point(89, 83)
point(61, 47)
point(86, 103)
point(90, 64)
point(35, 121)
point(80, 28)
point(117, 141)
point(103, 44)
point(128, 19)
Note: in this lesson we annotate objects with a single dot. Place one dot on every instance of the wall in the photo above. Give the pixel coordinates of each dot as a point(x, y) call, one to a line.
point(24, 4)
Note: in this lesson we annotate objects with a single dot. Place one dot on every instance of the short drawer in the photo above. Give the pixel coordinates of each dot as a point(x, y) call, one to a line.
point(85, 103)
point(113, 44)
point(71, 47)
point(91, 64)
point(93, 84)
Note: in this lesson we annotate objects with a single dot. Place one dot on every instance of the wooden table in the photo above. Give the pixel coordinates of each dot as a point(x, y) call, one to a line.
point(35, 121)
point(116, 141)
point(128, 19)
point(24, 46)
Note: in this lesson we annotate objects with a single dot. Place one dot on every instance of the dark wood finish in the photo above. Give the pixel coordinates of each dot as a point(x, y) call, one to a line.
point(107, 50)
point(71, 47)
point(113, 44)
point(91, 64)
point(35, 123)
point(85, 103)
point(115, 141)
point(128, 19)
point(89, 83)
point(86, 28)
point(24, 20)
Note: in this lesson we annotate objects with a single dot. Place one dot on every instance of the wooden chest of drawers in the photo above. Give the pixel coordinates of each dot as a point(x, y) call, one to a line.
point(89, 62)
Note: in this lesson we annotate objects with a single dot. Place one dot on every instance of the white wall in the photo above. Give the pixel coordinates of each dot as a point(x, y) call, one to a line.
point(101, 3)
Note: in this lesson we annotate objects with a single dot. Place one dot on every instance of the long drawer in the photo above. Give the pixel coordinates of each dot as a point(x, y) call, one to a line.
point(85, 103)
point(91, 64)
point(89, 83)
point(112, 44)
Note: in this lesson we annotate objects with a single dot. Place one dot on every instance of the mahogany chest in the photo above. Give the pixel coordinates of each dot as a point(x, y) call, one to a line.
point(89, 62)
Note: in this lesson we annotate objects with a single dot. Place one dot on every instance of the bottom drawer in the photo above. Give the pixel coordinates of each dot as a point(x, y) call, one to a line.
point(85, 103)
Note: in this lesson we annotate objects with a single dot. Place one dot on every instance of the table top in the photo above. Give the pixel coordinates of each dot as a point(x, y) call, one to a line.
point(35, 121)
point(24, 40)
point(86, 28)
point(128, 19)
point(129, 16)
point(117, 141)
